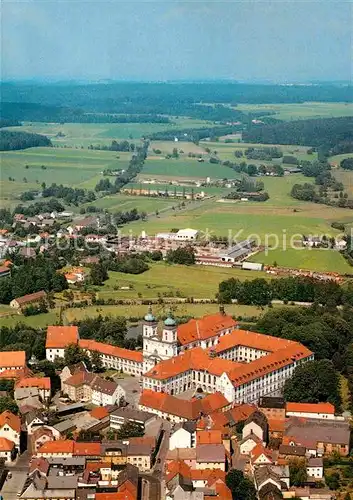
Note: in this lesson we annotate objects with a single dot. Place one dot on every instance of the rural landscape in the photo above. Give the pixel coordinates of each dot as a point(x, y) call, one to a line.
point(176, 251)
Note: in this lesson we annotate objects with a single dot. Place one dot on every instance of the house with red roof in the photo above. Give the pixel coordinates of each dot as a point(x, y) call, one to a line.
point(58, 339)
point(12, 361)
point(10, 428)
point(311, 410)
point(7, 450)
point(43, 385)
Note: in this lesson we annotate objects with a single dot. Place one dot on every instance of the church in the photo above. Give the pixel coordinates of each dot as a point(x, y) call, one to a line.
point(172, 340)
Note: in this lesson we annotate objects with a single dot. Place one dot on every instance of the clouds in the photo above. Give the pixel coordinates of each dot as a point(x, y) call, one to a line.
point(170, 39)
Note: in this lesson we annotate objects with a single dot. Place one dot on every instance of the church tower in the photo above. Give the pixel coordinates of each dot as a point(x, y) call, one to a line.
point(170, 337)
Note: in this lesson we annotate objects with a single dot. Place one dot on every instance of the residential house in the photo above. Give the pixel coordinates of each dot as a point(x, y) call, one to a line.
point(183, 435)
point(121, 416)
point(210, 456)
point(43, 385)
point(34, 419)
point(10, 427)
point(7, 450)
point(247, 444)
point(315, 468)
point(12, 361)
point(256, 424)
point(58, 339)
point(86, 386)
point(261, 455)
point(42, 435)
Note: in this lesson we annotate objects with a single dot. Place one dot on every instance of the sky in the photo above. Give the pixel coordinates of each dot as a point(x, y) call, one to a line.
point(275, 41)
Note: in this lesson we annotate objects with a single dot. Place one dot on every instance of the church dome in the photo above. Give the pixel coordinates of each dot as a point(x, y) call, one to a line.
point(149, 316)
point(169, 321)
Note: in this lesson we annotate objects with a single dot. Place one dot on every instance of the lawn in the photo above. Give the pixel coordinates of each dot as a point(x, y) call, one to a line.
point(314, 259)
point(301, 111)
point(336, 160)
point(72, 167)
point(346, 177)
point(85, 134)
point(167, 186)
point(130, 311)
point(187, 167)
point(171, 280)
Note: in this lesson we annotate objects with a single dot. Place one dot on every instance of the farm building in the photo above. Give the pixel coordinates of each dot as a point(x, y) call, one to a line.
point(239, 252)
point(252, 266)
point(26, 300)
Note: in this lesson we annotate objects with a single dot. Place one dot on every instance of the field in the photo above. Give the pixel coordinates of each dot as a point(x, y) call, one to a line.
point(119, 202)
point(171, 280)
point(85, 134)
point(281, 216)
point(129, 311)
point(315, 259)
point(72, 167)
point(301, 111)
point(225, 151)
point(186, 167)
point(346, 177)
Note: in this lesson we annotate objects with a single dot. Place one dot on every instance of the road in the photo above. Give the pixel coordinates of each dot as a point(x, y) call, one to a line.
point(14, 485)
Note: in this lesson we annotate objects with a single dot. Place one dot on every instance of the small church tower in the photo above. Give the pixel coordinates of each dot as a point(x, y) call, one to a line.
point(149, 325)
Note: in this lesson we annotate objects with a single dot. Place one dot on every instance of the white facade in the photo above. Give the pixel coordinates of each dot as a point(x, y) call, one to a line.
point(318, 415)
point(181, 438)
point(100, 398)
point(157, 348)
point(13, 435)
point(247, 445)
point(315, 471)
point(51, 354)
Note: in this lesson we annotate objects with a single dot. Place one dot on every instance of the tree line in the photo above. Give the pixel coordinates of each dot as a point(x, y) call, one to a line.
point(327, 132)
point(193, 134)
point(32, 275)
point(12, 141)
point(327, 332)
point(35, 112)
point(74, 196)
point(261, 292)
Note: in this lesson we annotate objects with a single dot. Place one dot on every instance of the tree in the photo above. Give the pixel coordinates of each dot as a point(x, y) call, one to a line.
point(96, 362)
point(240, 486)
point(130, 429)
point(99, 274)
point(7, 403)
point(314, 382)
point(74, 354)
point(181, 255)
point(297, 471)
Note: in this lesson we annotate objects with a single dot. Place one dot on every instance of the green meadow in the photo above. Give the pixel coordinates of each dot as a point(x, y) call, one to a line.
point(301, 111)
point(185, 167)
point(313, 259)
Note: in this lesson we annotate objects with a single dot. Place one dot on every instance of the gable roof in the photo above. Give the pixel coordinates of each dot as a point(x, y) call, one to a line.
point(12, 359)
point(13, 421)
point(110, 350)
point(59, 446)
point(31, 297)
point(99, 412)
point(311, 408)
point(87, 449)
point(260, 450)
point(190, 410)
point(59, 337)
point(40, 382)
point(209, 437)
point(204, 328)
point(6, 444)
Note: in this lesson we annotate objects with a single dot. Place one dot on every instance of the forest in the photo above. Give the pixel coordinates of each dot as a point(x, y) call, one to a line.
point(328, 132)
point(10, 141)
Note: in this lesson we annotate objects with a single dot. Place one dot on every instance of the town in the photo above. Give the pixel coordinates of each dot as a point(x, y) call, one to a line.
point(198, 412)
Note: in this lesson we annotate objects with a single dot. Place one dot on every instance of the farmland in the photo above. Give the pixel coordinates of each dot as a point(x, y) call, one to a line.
point(85, 134)
point(190, 168)
point(76, 168)
point(170, 280)
point(301, 111)
point(314, 259)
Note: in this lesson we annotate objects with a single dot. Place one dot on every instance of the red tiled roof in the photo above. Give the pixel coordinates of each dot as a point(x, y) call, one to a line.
point(16, 374)
point(59, 337)
point(189, 410)
point(87, 449)
point(39, 463)
point(31, 297)
point(10, 359)
point(251, 339)
point(60, 446)
point(311, 408)
point(40, 382)
point(204, 328)
point(177, 467)
point(99, 413)
point(242, 412)
point(260, 450)
point(13, 421)
point(261, 366)
point(111, 350)
point(209, 437)
point(276, 425)
point(6, 444)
